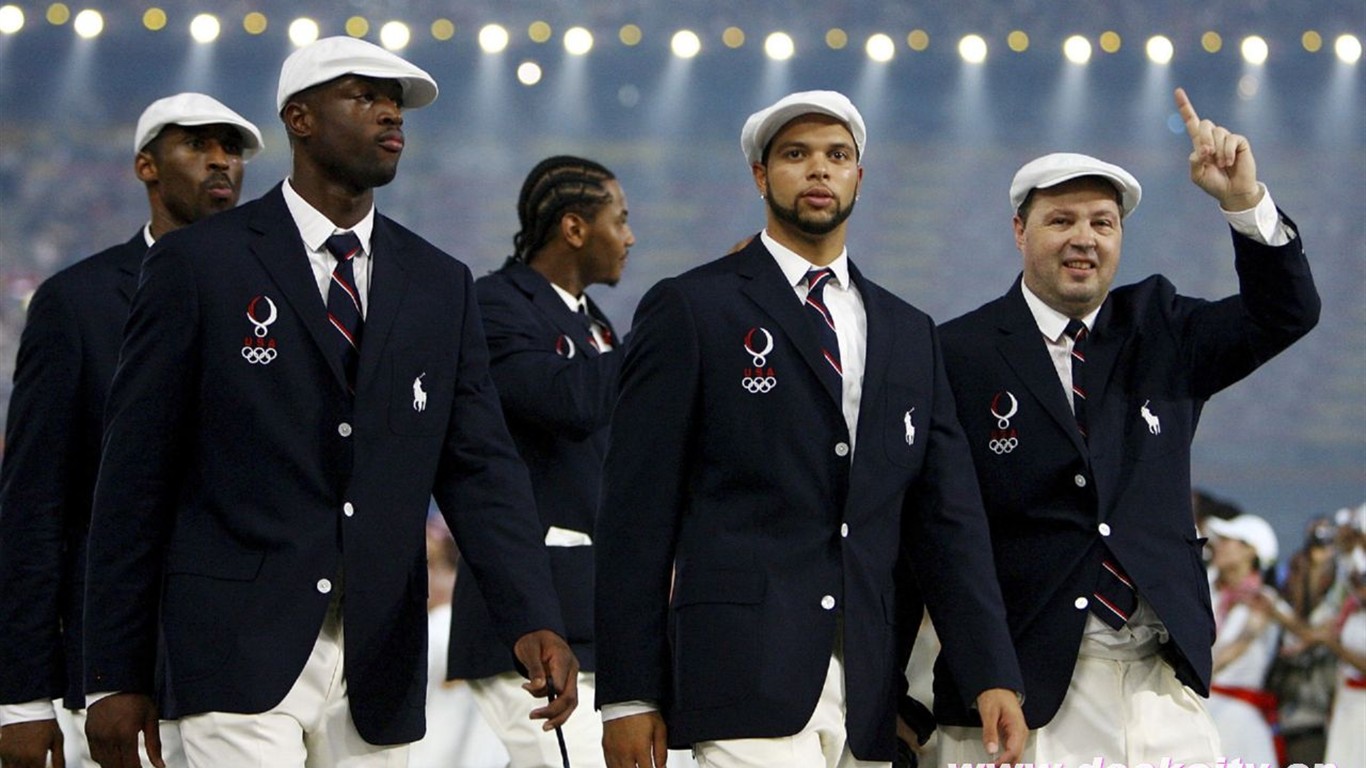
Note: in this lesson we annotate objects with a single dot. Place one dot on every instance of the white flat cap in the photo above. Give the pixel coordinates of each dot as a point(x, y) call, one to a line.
point(194, 109)
point(761, 126)
point(1249, 529)
point(331, 57)
point(1050, 170)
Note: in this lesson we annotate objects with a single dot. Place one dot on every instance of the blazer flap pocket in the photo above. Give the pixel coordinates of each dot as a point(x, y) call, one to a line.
point(217, 562)
point(719, 586)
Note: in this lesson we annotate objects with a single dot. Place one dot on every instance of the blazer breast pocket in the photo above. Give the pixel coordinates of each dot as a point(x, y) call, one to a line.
point(420, 395)
point(905, 425)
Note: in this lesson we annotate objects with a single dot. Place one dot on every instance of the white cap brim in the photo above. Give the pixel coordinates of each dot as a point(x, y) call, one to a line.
point(333, 57)
point(763, 125)
point(190, 109)
point(1252, 531)
point(1059, 167)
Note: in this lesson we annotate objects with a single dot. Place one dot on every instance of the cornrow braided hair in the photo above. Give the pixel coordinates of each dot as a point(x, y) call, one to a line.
point(557, 186)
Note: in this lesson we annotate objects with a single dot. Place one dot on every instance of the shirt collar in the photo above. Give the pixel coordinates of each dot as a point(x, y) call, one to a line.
point(147, 234)
point(315, 228)
point(795, 267)
point(1051, 322)
point(575, 303)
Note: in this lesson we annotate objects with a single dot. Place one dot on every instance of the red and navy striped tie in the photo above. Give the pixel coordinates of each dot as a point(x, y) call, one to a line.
point(1076, 330)
point(823, 321)
point(343, 302)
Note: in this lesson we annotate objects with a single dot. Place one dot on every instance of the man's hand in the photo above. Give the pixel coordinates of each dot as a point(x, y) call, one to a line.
point(1002, 720)
point(27, 745)
point(112, 725)
point(1221, 162)
point(637, 741)
point(546, 656)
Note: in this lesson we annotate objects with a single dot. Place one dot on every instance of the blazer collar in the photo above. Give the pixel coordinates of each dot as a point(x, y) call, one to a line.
point(548, 301)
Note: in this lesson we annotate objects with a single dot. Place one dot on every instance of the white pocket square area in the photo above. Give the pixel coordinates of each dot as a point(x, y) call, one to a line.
point(563, 537)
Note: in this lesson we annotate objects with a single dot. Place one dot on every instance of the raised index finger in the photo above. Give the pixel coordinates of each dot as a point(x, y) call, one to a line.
point(1187, 112)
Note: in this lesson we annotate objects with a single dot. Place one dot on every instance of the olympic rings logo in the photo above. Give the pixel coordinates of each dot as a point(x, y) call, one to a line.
point(1000, 445)
point(759, 384)
point(259, 355)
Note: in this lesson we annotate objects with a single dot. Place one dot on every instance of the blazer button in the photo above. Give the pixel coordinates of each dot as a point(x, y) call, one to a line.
point(1081, 603)
point(827, 602)
point(348, 510)
point(1104, 529)
point(1080, 480)
point(344, 430)
point(844, 530)
point(324, 586)
point(841, 449)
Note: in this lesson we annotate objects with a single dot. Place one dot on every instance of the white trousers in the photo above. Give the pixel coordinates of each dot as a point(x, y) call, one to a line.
point(822, 743)
point(78, 750)
point(1124, 711)
point(310, 728)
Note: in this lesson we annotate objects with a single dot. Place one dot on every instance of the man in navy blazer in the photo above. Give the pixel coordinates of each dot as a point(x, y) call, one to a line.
point(269, 459)
point(189, 153)
point(1080, 404)
point(760, 485)
point(555, 359)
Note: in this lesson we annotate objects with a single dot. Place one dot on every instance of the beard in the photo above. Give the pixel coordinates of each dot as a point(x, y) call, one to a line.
point(808, 224)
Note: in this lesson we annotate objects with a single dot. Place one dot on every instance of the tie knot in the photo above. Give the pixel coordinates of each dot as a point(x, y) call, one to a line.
point(343, 246)
point(817, 278)
point(1075, 330)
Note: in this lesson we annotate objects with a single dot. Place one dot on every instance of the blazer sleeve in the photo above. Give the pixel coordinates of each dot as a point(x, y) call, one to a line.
point(484, 492)
point(569, 396)
point(644, 487)
point(1277, 304)
point(950, 545)
point(150, 411)
point(40, 447)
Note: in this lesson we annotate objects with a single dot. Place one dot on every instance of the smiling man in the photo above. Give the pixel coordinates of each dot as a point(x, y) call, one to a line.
point(299, 377)
point(1080, 403)
point(189, 153)
point(783, 434)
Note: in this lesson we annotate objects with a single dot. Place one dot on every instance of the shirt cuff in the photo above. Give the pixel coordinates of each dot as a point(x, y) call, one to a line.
point(91, 698)
point(626, 709)
point(28, 712)
point(1262, 222)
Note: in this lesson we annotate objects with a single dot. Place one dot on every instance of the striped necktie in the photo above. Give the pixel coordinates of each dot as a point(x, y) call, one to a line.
point(1076, 330)
point(343, 302)
point(824, 322)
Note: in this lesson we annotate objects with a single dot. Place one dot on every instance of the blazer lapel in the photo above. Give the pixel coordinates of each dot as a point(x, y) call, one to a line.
point(548, 302)
point(388, 284)
point(281, 251)
point(1022, 347)
point(130, 266)
point(767, 287)
point(878, 352)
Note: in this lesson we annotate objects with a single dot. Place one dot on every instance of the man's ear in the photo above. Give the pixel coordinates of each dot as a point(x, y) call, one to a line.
point(298, 118)
point(145, 167)
point(574, 229)
point(760, 178)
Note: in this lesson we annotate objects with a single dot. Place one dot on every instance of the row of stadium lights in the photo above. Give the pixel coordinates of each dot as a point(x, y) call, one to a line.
point(779, 46)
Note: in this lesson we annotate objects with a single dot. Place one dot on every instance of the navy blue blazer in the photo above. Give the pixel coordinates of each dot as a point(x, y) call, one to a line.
point(241, 482)
point(557, 393)
point(1054, 503)
point(66, 360)
point(772, 530)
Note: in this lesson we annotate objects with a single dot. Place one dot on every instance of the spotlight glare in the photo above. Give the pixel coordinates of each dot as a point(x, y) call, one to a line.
point(529, 73)
point(493, 38)
point(1018, 41)
point(973, 49)
point(630, 34)
point(154, 19)
point(779, 46)
point(88, 24)
point(357, 26)
point(918, 40)
point(303, 31)
point(539, 31)
point(578, 41)
point(1160, 49)
point(1110, 41)
point(733, 37)
point(881, 48)
point(11, 19)
point(58, 14)
point(836, 39)
point(1312, 41)
point(395, 35)
point(685, 44)
point(254, 23)
point(443, 29)
point(1254, 50)
point(1077, 49)
point(1211, 42)
point(204, 28)
point(1347, 48)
